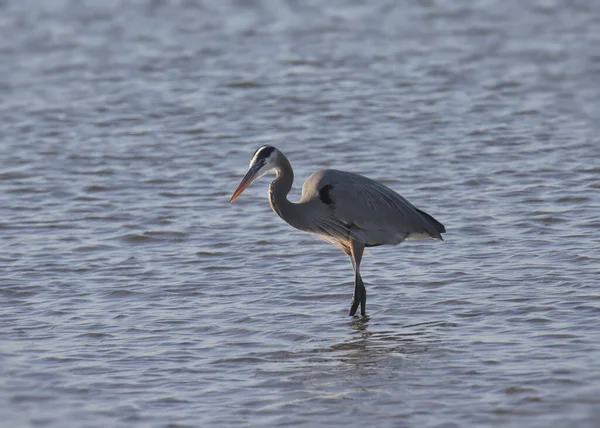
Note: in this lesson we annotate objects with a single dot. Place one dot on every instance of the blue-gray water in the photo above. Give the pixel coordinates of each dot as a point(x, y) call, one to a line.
point(132, 294)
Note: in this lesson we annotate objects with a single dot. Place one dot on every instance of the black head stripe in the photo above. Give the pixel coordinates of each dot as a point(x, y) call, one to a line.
point(263, 152)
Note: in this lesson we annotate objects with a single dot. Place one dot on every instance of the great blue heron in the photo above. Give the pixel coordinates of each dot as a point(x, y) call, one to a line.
point(347, 209)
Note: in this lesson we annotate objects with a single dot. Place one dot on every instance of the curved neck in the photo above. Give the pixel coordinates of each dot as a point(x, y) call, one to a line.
point(279, 189)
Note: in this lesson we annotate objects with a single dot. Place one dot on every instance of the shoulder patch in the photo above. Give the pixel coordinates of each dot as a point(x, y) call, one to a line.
point(324, 195)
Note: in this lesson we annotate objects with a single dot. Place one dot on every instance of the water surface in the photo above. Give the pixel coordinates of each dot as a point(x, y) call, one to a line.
point(133, 294)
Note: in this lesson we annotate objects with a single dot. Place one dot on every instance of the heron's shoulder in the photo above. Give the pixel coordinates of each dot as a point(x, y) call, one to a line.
point(333, 176)
point(333, 181)
point(318, 180)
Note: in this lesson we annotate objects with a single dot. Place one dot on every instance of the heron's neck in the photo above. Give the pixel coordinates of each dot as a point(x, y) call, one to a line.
point(279, 189)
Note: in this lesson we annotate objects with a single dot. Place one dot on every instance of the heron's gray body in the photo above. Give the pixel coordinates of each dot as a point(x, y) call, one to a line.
point(368, 211)
point(347, 209)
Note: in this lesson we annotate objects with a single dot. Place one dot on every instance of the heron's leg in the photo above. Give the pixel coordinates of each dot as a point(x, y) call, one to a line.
point(360, 294)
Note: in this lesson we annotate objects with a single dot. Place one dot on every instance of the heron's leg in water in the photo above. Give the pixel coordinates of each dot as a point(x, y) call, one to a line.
point(360, 294)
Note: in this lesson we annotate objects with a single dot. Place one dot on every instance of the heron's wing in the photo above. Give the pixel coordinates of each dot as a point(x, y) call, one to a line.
point(374, 213)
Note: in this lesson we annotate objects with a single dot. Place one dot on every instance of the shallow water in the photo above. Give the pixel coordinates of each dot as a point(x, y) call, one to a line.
point(133, 294)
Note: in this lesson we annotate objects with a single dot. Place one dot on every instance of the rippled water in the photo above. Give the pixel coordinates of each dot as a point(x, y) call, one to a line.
point(133, 294)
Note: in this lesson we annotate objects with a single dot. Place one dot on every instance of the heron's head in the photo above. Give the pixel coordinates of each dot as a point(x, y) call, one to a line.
point(264, 159)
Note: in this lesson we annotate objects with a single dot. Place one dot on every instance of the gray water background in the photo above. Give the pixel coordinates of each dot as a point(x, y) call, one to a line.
point(132, 294)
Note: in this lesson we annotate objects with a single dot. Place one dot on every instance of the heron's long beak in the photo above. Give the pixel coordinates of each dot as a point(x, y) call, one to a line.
point(250, 176)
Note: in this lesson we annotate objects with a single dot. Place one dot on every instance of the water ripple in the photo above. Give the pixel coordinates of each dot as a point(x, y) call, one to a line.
point(133, 294)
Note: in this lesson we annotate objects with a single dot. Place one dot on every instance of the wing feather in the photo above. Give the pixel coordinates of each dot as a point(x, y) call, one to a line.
point(368, 210)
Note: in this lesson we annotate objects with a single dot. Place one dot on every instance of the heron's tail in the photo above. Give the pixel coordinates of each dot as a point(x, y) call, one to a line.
point(436, 224)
